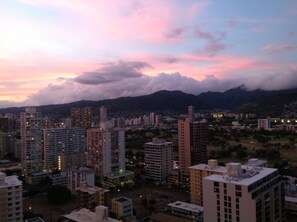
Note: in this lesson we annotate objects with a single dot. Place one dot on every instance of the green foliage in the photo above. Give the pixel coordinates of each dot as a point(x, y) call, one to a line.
point(152, 202)
point(58, 194)
point(32, 192)
point(241, 153)
point(112, 214)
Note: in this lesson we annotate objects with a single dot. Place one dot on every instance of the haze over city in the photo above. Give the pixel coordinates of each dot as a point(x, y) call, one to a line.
point(58, 51)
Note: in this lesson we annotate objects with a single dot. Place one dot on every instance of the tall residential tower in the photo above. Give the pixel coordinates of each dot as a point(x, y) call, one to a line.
point(158, 159)
point(191, 145)
point(31, 141)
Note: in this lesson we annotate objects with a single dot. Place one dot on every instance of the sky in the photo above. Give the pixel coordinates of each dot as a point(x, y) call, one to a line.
point(60, 51)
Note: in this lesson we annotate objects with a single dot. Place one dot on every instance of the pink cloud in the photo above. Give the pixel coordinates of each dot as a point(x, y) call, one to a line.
point(278, 48)
point(145, 21)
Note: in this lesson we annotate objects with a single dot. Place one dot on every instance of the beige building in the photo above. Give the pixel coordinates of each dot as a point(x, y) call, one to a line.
point(11, 201)
point(191, 146)
point(244, 194)
point(122, 207)
point(91, 196)
point(197, 173)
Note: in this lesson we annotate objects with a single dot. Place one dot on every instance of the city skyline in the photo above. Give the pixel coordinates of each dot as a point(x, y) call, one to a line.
point(60, 51)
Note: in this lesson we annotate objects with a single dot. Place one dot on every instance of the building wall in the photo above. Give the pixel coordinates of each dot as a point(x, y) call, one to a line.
point(31, 141)
point(106, 151)
point(197, 173)
point(158, 159)
point(122, 206)
point(230, 200)
point(11, 200)
point(77, 176)
point(192, 146)
point(66, 143)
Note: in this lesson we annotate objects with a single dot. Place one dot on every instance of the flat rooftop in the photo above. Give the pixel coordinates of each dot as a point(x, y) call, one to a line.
point(208, 168)
point(291, 199)
point(92, 189)
point(10, 181)
point(121, 199)
point(163, 217)
point(186, 206)
point(85, 215)
point(256, 173)
point(35, 219)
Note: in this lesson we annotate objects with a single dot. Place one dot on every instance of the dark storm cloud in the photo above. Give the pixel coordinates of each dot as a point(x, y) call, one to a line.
point(112, 72)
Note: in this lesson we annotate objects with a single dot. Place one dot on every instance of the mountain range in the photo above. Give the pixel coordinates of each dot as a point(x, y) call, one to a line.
point(237, 99)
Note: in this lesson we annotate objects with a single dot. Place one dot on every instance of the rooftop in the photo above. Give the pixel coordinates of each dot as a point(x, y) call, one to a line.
point(122, 199)
point(85, 215)
point(248, 176)
point(207, 167)
point(91, 189)
point(6, 181)
point(291, 199)
point(186, 206)
point(35, 219)
point(163, 217)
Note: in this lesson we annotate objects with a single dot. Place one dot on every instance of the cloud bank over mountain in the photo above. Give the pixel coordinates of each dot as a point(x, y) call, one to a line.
point(128, 80)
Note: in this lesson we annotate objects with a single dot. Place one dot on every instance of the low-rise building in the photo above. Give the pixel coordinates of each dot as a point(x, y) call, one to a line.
point(85, 215)
point(91, 196)
point(291, 205)
point(122, 207)
point(77, 176)
point(186, 210)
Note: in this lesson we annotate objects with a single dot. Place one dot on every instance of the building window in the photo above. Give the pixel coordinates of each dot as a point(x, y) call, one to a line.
point(237, 187)
point(238, 194)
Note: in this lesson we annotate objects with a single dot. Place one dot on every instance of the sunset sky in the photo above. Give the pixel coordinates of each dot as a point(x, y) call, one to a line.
point(58, 51)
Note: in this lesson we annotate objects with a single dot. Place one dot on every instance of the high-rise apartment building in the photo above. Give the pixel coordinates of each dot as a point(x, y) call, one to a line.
point(244, 194)
point(197, 173)
point(86, 117)
point(11, 201)
point(31, 141)
point(106, 151)
point(191, 112)
point(158, 159)
point(75, 117)
point(81, 117)
point(191, 145)
point(62, 143)
point(103, 114)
